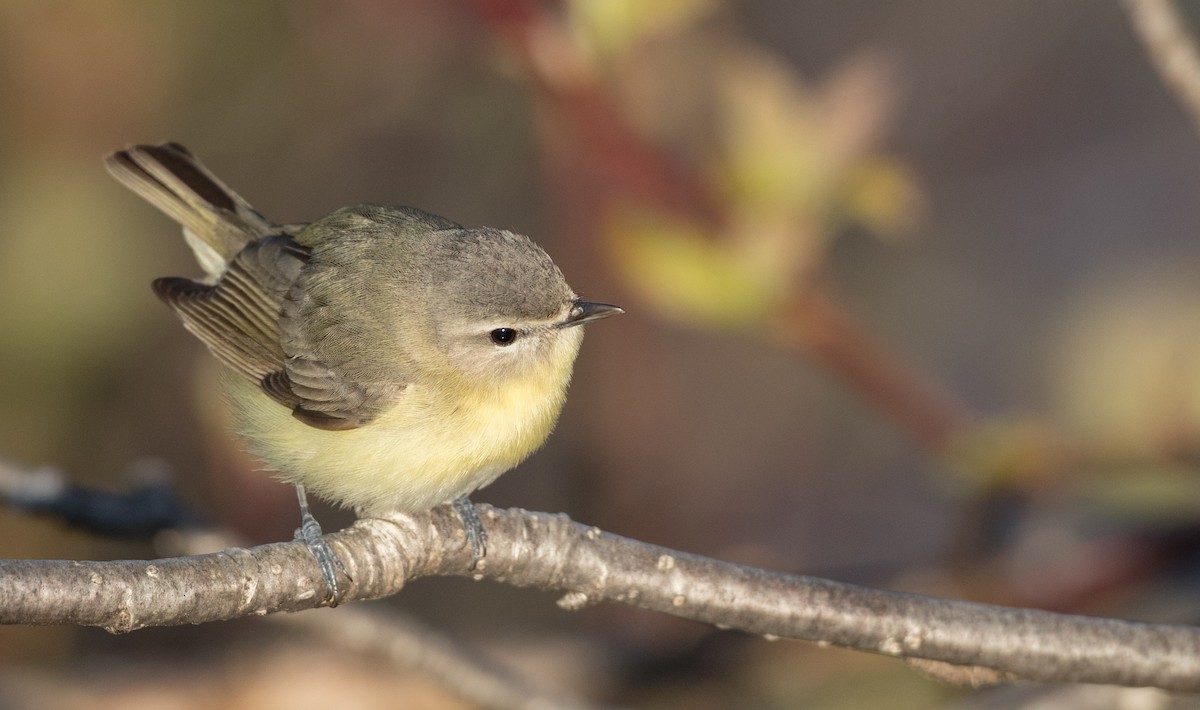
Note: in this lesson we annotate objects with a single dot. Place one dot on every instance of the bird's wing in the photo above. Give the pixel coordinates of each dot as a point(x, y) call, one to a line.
point(329, 399)
point(337, 366)
point(346, 361)
point(238, 316)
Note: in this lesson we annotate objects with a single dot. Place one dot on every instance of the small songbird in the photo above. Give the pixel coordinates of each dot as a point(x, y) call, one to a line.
point(384, 358)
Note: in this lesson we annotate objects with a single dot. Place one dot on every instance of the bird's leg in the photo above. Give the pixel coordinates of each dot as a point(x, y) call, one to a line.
point(327, 560)
point(473, 526)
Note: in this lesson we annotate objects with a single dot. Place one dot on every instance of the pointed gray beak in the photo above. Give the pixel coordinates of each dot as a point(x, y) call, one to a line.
point(587, 311)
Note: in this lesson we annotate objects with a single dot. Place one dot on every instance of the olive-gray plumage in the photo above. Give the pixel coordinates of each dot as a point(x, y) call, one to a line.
point(383, 357)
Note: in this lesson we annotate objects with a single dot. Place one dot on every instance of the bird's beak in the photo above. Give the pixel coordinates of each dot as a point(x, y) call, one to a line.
point(587, 311)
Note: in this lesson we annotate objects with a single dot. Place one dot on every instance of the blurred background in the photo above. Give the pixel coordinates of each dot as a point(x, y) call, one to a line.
point(913, 296)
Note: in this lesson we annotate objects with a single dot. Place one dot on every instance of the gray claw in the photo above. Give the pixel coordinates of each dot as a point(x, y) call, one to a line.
point(327, 560)
point(473, 526)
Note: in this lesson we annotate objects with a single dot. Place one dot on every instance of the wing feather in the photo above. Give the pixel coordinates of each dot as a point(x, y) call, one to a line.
point(254, 311)
point(238, 316)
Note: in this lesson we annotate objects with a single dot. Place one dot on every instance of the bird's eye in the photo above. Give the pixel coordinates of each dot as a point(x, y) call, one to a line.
point(503, 336)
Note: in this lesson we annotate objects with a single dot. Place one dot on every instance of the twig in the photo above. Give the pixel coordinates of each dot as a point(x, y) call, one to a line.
point(1171, 47)
point(149, 506)
point(816, 325)
point(407, 643)
point(633, 168)
point(551, 552)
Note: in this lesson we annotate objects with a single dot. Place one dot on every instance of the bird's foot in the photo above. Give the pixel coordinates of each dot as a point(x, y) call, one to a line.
point(327, 560)
point(473, 526)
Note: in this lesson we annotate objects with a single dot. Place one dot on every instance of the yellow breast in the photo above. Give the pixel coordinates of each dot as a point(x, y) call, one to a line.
point(438, 443)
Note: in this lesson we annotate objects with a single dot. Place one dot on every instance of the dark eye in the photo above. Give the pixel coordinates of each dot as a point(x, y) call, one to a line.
point(503, 336)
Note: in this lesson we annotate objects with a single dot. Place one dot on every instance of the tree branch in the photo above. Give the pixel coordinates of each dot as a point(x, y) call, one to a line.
point(552, 552)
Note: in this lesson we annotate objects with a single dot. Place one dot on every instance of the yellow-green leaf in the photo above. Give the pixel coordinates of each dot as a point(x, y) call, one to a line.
point(684, 274)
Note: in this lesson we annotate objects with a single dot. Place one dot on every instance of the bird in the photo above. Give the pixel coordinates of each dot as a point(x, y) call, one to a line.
point(384, 358)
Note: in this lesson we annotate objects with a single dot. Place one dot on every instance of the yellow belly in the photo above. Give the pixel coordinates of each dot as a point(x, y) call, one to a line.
point(431, 448)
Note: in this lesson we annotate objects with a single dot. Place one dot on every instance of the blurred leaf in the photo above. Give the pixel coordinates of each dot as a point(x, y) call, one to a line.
point(1008, 451)
point(792, 148)
point(1127, 371)
point(610, 27)
point(684, 274)
point(772, 149)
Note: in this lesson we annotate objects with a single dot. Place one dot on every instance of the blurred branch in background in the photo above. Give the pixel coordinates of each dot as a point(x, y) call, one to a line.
point(1171, 48)
point(149, 508)
point(412, 646)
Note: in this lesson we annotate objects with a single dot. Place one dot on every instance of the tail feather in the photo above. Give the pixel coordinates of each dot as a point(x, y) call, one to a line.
point(217, 222)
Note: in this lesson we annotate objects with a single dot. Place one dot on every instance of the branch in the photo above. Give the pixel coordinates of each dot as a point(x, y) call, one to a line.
point(1171, 47)
point(817, 325)
point(150, 506)
point(552, 552)
point(632, 166)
